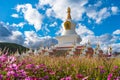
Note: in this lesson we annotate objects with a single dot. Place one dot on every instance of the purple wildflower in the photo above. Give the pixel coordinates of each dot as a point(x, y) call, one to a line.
point(102, 71)
point(118, 78)
point(28, 78)
point(1, 76)
point(10, 73)
point(29, 66)
point(46, 77)
point(22, 73)
point(37, 67)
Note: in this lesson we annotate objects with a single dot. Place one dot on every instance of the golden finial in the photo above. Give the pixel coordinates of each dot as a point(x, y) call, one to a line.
point(68, 11)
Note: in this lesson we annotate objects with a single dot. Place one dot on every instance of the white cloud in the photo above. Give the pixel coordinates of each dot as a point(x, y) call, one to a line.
point(98, 4)
point(15, 15)
point(17, 37)
point(116, 47)
point(103, 14)
point(31, 15)
point(104, 40)
point(86, 34)
point(78, 7)
point(58, 8)
point(31, 39)
point(98, 16)
point(11, 36)
point(50, 12)
point(117, 32)
point(53, 24)
point(83, 30)
point(4, 32)
point(34, 41)
point(59, 32)
point(46, 28)
point(21, 24)
point(114, 9)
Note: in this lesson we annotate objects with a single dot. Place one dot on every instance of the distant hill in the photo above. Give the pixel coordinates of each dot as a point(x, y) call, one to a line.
point(12, 47)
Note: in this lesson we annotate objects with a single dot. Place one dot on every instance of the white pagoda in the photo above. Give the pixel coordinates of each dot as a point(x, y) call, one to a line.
point(69, 36)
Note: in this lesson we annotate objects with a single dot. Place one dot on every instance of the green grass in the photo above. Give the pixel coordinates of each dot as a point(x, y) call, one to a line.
point(93, 68)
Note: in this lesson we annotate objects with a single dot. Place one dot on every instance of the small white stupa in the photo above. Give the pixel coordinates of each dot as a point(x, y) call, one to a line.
point(69, 35)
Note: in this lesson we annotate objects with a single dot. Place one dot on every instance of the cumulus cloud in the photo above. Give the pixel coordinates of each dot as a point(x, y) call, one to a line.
point(15, 15)
point(17, 37)
point(105, 40)
point(59, 32)
point(98, 4)
point(83, 30)
point(86, 34)
point(58, 8)
point(116, 47)
point(50, 12)
point(32, 40)
point(21, 24)
point(53, 24)
point(10, 36)
point(4, 32)
point(114, 9)
point(98, 16)
point(31, 15)
point(29, 39)
point(117, 32)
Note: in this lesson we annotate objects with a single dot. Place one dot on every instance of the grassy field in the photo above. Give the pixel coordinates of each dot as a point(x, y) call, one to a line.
point(58, 68)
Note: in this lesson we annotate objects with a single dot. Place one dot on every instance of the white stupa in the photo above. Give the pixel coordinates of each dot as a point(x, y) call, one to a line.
point(69, 35)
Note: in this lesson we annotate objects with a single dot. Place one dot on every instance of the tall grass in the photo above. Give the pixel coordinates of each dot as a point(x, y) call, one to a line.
point(93, 68)
point(42, 67)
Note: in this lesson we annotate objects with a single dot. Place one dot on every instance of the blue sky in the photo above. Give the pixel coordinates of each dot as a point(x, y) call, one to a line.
point(35, 22)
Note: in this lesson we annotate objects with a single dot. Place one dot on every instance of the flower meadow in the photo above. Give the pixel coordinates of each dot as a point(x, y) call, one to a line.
point(42, 67)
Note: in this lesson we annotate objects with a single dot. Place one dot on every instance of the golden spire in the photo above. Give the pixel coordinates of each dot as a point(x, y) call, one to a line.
point(68, 11)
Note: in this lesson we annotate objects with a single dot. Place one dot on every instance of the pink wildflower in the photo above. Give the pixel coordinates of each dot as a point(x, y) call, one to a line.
point(62, 79)
point(3, 58)
point(79, 76)
point(52, 72)
point(101, 67)
point(10, 73)
point(68, 78)
point(13, 66)
point(11, 59)
point(109, 76)
point(116, 67)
